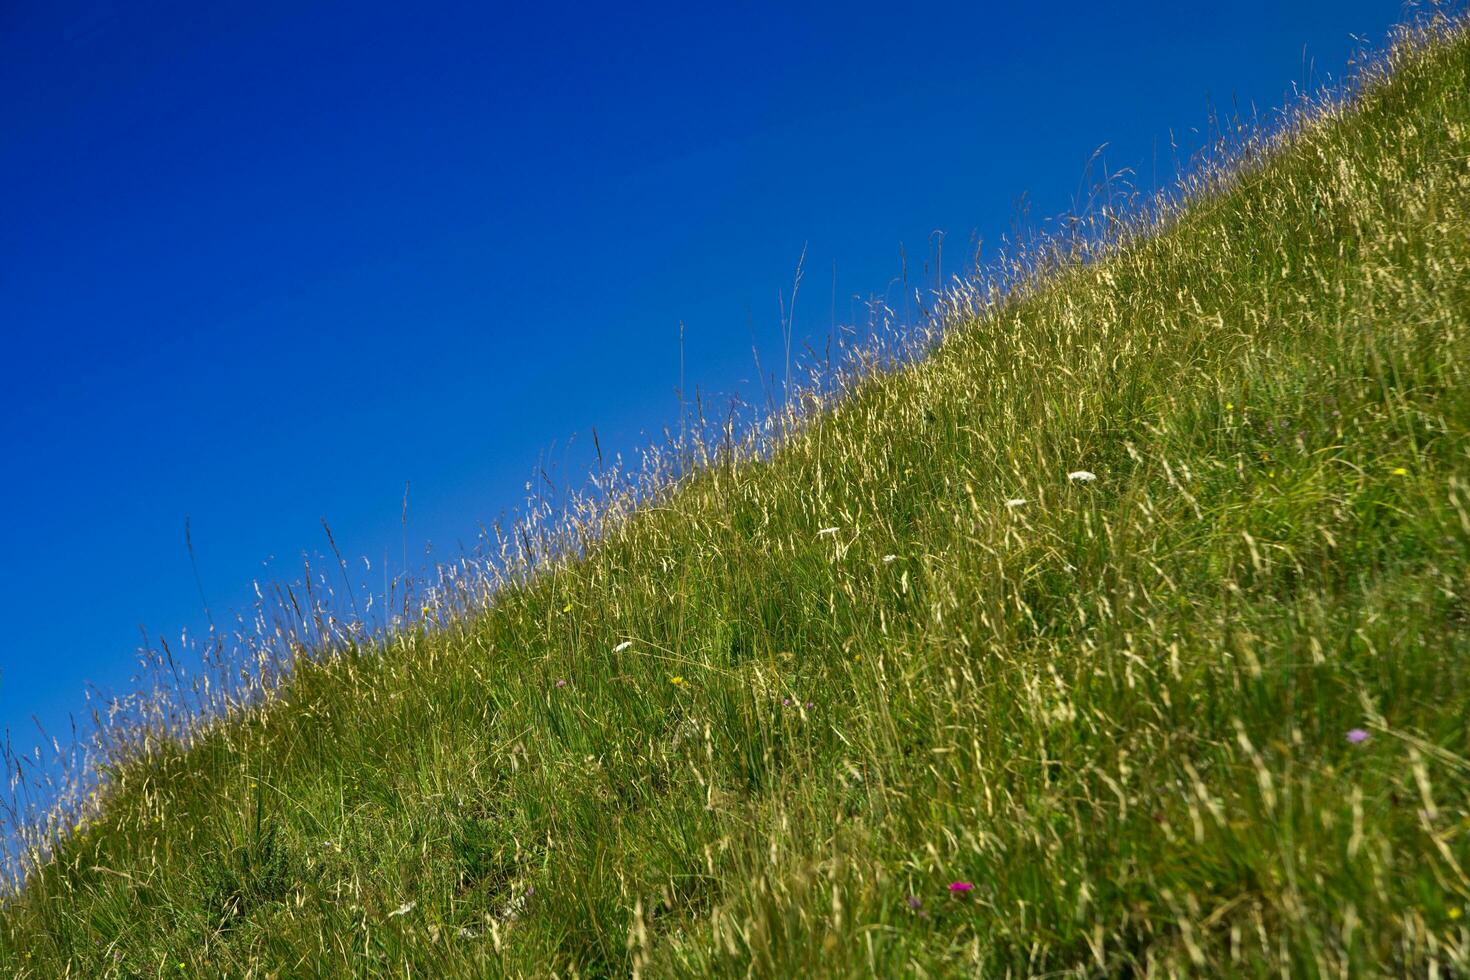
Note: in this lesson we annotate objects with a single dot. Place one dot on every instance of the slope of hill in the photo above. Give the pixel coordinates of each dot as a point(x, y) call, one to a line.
point(1128, 631)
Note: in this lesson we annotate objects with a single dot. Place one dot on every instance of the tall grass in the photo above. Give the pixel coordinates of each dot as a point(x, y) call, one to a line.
point(880, 688)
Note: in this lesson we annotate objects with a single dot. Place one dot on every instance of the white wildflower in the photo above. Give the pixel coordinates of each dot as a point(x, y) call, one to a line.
point(889, 559)
point(1081, 476)
point(403, 909)
point(1015, 501)
point(622, 646)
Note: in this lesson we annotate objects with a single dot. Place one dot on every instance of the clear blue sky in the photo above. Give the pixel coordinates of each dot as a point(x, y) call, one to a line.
point(263, 262)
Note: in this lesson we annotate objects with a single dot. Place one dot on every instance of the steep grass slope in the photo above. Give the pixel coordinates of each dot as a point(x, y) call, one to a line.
point(854, 710)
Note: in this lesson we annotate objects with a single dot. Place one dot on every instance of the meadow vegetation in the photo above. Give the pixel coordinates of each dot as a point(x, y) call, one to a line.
point(1127, 631)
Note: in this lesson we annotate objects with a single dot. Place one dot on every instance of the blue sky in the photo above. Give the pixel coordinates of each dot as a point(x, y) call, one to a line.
point(263, 263)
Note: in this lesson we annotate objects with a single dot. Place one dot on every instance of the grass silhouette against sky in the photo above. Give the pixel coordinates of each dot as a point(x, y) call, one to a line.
point(264, 265)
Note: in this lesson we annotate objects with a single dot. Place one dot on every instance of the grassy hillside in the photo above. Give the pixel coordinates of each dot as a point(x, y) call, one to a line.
point(855, 709)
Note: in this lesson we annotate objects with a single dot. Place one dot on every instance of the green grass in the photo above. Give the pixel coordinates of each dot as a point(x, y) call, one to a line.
point(1119, 710)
